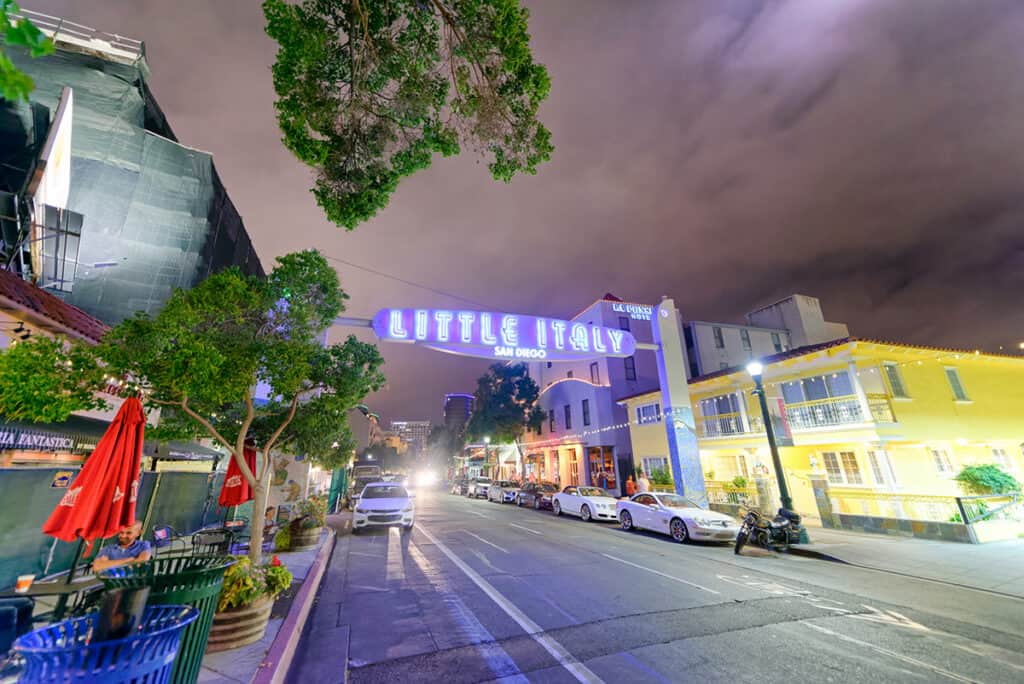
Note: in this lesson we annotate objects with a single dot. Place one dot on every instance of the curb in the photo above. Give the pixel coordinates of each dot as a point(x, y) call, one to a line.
point(278, 660)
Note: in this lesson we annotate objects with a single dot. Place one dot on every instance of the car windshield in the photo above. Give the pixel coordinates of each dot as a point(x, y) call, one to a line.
point(483, 480)
point(591, 491)
point(385, 492)
point(674, 501)
point(506, 483)
point(548, 488)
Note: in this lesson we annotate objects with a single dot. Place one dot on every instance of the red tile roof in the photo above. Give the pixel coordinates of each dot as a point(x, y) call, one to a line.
point(46, 305)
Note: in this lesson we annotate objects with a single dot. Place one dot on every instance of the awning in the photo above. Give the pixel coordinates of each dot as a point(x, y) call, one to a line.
point(76, 435)
point(180, 451)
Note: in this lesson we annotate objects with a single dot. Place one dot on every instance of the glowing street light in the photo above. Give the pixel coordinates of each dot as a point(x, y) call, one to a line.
point(756, 369)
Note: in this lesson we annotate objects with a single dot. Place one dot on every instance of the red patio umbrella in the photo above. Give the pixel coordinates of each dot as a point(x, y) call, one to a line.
point(236, 489)
point(101, 499)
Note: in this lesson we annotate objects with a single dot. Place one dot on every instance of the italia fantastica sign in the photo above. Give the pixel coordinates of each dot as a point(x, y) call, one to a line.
point(501, 335)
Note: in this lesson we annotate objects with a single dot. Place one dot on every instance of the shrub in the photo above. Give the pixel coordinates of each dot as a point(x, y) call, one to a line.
point(314, 510)
point(244, 583)
point(283, 539)
point(661, 476)
point(987, 479)
point(740, 482)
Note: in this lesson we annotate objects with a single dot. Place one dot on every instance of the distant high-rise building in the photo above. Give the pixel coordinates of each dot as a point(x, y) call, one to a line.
point(413, 433)
point(457, 410)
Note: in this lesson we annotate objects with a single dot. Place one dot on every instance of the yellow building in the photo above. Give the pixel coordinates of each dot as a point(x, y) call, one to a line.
point(887, 426)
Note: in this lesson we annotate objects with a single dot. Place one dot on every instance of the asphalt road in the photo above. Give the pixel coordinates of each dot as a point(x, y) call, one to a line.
point(482, 591)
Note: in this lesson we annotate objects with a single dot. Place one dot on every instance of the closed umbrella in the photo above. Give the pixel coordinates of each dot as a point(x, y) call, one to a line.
point(101, 499)
point(236, 490)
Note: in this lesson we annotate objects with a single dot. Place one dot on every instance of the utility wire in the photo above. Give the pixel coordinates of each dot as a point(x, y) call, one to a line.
point(409, 282)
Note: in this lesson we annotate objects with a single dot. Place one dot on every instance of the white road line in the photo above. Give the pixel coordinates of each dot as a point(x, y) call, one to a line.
point(482, 515)
point(667, 576)
point(899, 656)
point(395, 563)
point(566, 659)
point(479, 538)
point(541, 534)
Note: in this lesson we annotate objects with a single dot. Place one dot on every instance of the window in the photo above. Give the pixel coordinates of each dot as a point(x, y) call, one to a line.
point(568, 417)
point(777, 342)
point(745, 339)
point(719, 340)
point(586, 412)
point(881, 468)
point(629, 363)
point(549, 364)
point(892, 373)
point(648, 413)
point(723, 366)
point(651, 463)
point(941, 460)
point(568, 374)
point(595, 373)
point(551, 420)
point(1000, 458)
point(842, 467)
point(741, 465)
point(953, 375)
point(828, 386)
point(623, 323)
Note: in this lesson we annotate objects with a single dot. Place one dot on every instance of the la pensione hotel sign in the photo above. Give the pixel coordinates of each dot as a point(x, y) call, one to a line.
point(502, 335)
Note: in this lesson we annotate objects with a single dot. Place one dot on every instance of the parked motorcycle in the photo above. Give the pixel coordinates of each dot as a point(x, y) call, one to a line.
point(776, 534)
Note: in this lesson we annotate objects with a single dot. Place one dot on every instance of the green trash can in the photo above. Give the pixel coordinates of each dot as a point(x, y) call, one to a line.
point(179, 580)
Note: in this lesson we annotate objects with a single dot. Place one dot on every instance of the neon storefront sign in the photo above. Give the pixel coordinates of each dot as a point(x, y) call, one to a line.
point(502, 335)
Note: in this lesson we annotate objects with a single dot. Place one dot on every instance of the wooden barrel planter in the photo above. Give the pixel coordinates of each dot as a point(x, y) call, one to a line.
point(239, 626)
point(305, 539)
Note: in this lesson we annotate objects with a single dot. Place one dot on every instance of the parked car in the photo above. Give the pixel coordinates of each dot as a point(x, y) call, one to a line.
point(477, 487)
point(537, 494)
point(677, 517)
point(503, 491)
point(590, 503)
point(383, 504)
point(459, 485)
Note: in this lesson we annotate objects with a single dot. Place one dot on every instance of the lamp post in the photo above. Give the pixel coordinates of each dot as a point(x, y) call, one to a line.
point(487, 453)
point(756, 369)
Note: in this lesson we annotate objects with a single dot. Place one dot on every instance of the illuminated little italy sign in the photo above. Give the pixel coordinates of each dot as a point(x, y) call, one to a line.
point(501, 335)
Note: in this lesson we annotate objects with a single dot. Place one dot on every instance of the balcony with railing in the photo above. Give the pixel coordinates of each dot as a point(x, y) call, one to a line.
point(838, 411)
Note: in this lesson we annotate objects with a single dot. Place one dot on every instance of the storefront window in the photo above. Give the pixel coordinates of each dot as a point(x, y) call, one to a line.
point(602, 467)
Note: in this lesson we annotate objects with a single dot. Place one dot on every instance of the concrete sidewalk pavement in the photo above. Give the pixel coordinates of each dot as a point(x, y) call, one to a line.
point(997, 566)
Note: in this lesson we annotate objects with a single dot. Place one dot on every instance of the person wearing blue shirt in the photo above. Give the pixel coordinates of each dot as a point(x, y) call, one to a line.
point(128, 549)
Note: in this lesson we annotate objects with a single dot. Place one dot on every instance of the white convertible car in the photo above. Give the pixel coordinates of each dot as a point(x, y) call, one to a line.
point(673, 515)
point(590, 503)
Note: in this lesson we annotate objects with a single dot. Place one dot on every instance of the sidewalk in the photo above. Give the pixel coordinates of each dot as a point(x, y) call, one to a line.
point(239, 665)
point(998, 566)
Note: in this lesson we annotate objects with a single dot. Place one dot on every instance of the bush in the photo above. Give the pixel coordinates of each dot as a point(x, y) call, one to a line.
point(740, 482)
point(245, 584)
point(314, 512)
point(987, 479)
point(661, 476)
point(283, 539)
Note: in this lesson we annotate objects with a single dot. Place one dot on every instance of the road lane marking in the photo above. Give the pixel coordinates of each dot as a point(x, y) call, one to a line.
point(541, 534)
point(665, 575)
point(899, 656)
point(564, 658)
point(479, 538)
point(395, 563)
point(482, 515)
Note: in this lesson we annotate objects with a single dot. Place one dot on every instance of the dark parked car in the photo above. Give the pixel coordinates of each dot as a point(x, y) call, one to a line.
point(537, 494)
point(459, 485)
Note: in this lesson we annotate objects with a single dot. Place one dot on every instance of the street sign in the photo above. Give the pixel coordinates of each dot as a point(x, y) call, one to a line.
point(502, 335)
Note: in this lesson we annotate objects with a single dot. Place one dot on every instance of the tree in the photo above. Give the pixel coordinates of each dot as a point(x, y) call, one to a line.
point(202, 358)
point(987, 479)
point(369, 91)
point(505, 405)
point(17, 30)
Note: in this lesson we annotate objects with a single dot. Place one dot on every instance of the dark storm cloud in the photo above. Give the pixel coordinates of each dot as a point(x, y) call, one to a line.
point(725, 153)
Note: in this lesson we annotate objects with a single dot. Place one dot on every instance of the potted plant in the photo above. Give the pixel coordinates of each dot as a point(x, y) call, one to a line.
point(245, 603)
point(305, 530)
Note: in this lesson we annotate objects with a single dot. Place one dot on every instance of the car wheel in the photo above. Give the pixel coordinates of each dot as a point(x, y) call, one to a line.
point(355, 531)
point(536, 504)
point(627, 521)
point(406, 529)
point(519, 501)
point(556, 508)
point(677, 528)
point(585, 513)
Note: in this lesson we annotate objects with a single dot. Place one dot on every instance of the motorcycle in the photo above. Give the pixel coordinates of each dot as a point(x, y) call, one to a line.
point(775, 534)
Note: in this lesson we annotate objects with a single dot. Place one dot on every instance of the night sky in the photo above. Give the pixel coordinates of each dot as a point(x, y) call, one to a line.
point(725, 153)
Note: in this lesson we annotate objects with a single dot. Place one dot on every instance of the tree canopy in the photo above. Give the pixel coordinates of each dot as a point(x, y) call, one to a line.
point(17, 30)
point(369, 91)
point(505, 405)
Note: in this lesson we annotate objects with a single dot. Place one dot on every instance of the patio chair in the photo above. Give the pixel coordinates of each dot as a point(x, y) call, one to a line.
point(166, 537)
point(212, 541)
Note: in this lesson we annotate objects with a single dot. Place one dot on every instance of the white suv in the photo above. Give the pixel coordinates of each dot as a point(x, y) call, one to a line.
point(384, 504)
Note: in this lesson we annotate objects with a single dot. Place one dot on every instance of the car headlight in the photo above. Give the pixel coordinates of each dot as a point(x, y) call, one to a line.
point(407, 509)
point(361, 510)
point(702, 522)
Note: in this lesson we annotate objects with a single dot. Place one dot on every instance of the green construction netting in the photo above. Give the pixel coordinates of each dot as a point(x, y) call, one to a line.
point(152, 206)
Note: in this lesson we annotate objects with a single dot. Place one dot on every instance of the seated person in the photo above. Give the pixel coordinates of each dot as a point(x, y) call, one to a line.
point(128, 549)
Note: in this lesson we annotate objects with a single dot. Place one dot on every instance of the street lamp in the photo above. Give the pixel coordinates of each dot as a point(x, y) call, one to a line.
point(756, 369)
point(487, 452)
